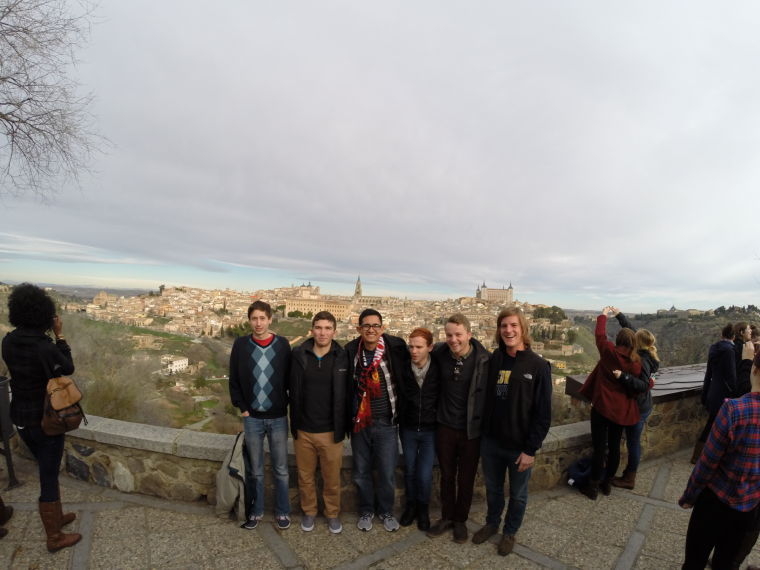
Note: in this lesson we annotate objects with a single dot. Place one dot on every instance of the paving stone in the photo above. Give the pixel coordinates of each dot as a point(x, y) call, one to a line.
point(666, 545)
point(651, 563)
point(264, 560)
point(319, 548)
point(166, 520)
point(110, 553)
point(35, 555)
point(589, 554)
point(459, 555)
point(418, 557)
point(548, 539)
point(671, 520)
point(127, 522)
point(496, 561)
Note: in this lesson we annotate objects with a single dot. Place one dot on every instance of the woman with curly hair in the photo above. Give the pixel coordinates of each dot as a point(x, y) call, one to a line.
point(32, 359)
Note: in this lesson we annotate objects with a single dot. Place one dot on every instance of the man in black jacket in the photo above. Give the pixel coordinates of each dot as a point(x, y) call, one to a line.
point(376, 362)
point(516, 420)
point(318, 418)
point(463, 364)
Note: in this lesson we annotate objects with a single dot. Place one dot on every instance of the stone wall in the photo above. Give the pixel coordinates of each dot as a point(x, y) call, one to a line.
point(182, 464)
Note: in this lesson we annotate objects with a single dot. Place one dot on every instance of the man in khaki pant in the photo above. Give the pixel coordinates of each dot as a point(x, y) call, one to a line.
point(318, 418)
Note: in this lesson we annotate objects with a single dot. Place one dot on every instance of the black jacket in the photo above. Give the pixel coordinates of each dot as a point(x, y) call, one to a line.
point(529, 401)
point(340, 405)
point(420, 405)
point(399, 363)
point(32, 359)
point(720, 377)
point(476, 396)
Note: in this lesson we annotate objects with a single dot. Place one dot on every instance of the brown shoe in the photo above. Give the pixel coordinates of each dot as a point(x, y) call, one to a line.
point(440, 527)
point(506, 544)
point(50, 513)
point(484, 534)
point(627, 481)
point(460, 532)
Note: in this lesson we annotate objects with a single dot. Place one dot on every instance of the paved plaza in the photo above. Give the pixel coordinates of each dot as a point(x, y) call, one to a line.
point(641, 529)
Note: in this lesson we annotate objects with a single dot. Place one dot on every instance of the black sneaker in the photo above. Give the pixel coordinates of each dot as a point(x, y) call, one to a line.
point(283, 522)
point(252, 522)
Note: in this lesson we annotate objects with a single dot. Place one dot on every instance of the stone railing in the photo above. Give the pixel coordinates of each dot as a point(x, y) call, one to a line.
point(182, 464)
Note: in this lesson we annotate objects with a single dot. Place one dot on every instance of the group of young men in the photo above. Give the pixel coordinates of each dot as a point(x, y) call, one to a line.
point(454, 399)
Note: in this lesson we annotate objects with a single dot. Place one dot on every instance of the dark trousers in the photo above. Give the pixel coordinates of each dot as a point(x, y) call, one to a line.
point(48, 451)
point(458, 460)
point(605, 437)
point(708, 427)
point(713, 524)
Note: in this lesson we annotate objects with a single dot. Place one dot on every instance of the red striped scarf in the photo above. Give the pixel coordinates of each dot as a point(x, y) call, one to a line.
point(369, 384)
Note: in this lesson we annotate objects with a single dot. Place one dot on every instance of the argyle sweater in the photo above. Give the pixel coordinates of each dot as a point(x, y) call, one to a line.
point(259, 376)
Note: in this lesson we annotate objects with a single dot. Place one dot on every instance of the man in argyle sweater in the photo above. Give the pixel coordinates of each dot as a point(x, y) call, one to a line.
point(259, 369)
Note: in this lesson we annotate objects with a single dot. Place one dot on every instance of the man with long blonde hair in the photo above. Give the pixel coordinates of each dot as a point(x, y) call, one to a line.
point(516, 419)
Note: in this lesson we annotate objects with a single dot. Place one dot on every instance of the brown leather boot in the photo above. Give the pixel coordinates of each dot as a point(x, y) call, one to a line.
point(66, 518)
point(697, 452)
point(50, 513)
point(627, 481)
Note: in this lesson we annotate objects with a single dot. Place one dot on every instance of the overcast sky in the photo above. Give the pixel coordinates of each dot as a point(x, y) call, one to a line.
point(590, 153)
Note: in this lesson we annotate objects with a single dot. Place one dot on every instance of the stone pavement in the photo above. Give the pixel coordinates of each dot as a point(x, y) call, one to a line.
point(639, 529)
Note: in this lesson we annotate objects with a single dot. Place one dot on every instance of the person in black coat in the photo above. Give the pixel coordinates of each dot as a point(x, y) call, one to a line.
point(33, 359)
point(418, 423)
point(720, 382)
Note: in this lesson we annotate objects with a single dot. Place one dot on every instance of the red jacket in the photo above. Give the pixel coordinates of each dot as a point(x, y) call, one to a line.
point(606, 393)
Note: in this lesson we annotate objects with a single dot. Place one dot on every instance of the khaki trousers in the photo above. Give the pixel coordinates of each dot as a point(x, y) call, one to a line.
point(312, 449)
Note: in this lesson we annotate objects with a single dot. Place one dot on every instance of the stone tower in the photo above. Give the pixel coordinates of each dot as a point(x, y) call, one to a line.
point(358, 288)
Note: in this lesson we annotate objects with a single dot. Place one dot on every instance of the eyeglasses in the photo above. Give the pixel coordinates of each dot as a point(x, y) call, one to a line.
point(373, 326)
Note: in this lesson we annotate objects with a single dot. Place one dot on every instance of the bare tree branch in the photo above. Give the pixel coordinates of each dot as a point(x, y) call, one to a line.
point(47, 126)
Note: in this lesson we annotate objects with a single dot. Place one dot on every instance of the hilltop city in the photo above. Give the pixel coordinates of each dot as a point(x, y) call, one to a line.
point(198, 312)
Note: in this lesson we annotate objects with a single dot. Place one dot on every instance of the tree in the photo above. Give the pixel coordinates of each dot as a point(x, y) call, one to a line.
point(45, 122)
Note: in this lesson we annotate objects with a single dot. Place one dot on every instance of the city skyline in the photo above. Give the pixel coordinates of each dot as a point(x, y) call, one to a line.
point(591, 153)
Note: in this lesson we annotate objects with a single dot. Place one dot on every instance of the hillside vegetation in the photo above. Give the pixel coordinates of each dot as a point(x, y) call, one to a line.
point(681, 340)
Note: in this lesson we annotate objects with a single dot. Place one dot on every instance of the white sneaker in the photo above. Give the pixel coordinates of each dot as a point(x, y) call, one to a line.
point(334, 525)
point(307, 523)
point(389, 522)
point(365, 522)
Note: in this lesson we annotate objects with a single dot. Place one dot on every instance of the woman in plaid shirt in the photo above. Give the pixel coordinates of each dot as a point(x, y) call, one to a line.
point(724, 487)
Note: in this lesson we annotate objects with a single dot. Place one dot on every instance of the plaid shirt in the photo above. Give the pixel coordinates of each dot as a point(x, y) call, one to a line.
point(730, 462)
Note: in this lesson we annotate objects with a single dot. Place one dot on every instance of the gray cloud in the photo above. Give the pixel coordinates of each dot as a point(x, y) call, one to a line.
point(582, 151)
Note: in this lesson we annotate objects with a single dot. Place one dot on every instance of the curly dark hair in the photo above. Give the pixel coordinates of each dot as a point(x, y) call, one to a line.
point(30, 307)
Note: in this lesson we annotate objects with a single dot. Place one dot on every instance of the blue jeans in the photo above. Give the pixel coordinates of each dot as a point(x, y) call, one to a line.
point(48, 451)
point(276, 432)
point(419, 452)
point(378, 444)
point(633, 442)
point(496, 462)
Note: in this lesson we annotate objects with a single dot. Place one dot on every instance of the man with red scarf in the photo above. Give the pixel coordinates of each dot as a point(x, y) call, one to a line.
point(376, 362)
